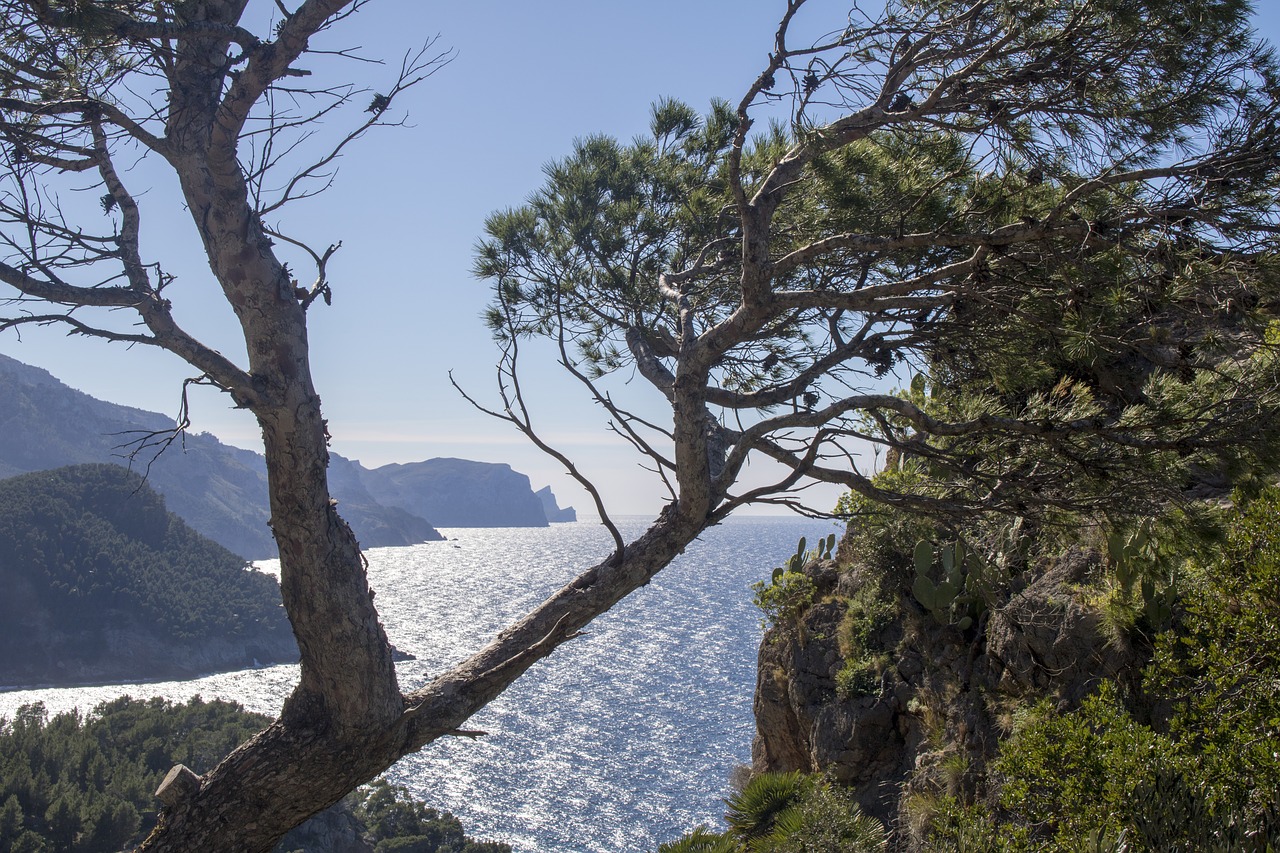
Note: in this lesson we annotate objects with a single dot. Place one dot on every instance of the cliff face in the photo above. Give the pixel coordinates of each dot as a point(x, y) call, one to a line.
point(930, 715)
point(377, 525)
point(457, 493)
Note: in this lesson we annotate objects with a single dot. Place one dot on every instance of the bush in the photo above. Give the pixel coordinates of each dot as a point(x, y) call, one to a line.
point(788, 813)
point(1202, 773)
point(868, 612)
point(786, 599)
point(827, 819)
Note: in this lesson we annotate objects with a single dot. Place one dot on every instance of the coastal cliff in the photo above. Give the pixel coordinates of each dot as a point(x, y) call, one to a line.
point(457, 493)
point(859, 682)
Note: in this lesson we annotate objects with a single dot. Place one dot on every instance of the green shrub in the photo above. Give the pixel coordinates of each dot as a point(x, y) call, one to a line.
point(1203, 775)
point(755, 810)
point(788, 813)
point(786, 599)
point(1221, 668)
point(868, 612)
point(861, 676)
point(1071, 774)
point(827, 819)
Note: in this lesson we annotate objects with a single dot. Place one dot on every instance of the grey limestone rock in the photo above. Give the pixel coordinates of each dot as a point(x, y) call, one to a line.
point(941, 694)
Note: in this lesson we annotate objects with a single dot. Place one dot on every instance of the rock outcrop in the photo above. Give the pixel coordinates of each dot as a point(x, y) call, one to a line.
point(552, 510)
point(376, 525)
point(334, 830)
point(934, 715)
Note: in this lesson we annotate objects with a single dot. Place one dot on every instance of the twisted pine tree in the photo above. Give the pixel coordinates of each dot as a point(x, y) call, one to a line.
point(1058, 218)
point(1067, 206)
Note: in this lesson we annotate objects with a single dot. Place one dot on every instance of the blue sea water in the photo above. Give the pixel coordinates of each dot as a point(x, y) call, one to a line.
point(622, 739)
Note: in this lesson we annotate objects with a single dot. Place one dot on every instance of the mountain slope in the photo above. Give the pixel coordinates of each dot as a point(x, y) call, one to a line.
point(102, 582)
point(219, 490)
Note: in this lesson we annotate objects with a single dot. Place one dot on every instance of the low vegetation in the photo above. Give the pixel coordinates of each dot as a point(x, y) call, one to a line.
point(787, 813)
point(85, 784)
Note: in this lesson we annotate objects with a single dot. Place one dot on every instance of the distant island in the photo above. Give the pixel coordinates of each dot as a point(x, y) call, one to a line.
point(221, 491)
point(103, 583)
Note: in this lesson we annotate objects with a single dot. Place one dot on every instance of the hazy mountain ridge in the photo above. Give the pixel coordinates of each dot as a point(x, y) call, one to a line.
point(458, 492)
point(221, 490)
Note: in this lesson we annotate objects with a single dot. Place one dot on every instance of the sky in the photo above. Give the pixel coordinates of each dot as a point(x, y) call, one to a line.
point(408, 204)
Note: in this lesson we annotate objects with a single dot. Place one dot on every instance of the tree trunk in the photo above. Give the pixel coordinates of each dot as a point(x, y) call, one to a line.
point(311, 757)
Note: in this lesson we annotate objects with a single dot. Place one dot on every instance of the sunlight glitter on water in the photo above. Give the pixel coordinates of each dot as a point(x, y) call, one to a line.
point(623, 739)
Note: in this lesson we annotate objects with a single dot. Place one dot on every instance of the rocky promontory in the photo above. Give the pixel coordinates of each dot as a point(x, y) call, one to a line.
point(553, 511)
point(457, 493)
point(860, 682)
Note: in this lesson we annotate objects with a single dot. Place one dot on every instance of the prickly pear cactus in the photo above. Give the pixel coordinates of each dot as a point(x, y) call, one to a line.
point(1136, 561)
point(960, 596)
point(801, 558)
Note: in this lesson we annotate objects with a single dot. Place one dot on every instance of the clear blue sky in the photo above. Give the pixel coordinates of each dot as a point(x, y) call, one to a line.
point(408, 205)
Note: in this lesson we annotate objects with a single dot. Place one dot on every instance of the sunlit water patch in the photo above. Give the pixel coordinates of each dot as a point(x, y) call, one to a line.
point(622, 739)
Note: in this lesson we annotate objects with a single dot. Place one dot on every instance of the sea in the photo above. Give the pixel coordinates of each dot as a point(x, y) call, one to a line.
point(623, 739)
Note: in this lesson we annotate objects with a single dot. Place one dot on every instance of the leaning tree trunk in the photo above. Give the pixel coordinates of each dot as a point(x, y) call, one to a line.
point(347, 720)
point(311, 757)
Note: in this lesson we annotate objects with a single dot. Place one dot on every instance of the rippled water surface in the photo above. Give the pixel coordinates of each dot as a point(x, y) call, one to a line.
point(624, 738)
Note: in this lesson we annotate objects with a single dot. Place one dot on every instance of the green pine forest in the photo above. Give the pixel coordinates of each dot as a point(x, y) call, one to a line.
point(86, 784)
point(91, 548)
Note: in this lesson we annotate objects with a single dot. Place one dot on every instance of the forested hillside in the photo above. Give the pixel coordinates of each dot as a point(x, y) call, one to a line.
point(101, 581)
point(85, 784)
